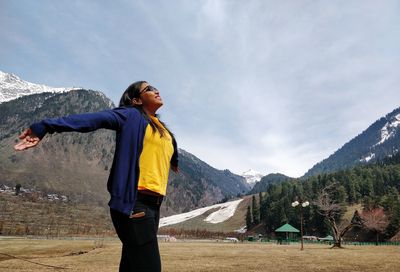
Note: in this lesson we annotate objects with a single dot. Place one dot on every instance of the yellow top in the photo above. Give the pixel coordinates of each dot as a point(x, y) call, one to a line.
point(155, 160)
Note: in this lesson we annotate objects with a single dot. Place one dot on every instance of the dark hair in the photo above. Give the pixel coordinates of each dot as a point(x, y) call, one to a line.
point(133, 91)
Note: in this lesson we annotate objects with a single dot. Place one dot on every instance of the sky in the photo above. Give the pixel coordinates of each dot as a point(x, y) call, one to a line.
point(274, 86)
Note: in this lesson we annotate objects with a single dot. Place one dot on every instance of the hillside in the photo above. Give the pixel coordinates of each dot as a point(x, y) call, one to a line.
point(29, 214)
point(373, 186)
point(72, 163)
point(225, 217)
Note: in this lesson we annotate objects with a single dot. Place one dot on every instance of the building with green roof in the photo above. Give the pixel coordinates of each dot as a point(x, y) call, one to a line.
point(289, 231)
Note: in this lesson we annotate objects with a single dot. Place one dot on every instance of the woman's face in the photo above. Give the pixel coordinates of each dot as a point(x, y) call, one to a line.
point(150, 97)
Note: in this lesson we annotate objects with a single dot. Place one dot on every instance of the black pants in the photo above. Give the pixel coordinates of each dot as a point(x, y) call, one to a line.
point(138, 235)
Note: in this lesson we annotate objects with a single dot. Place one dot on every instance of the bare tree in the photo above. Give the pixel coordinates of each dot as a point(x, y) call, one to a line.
point(332, 211)
point(375, 220)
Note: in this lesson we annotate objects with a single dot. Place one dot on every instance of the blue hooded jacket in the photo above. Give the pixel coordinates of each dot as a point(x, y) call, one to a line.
point(130, 126)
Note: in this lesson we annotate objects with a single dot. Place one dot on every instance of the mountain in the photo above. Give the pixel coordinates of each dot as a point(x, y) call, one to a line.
point(77, 164)
point(378, 141)
point(12, 87)
point(73, 164)
point(263, 184)
point(252, 177)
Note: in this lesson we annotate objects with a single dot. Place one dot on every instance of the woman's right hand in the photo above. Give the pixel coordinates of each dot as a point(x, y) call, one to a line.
point(27, 140)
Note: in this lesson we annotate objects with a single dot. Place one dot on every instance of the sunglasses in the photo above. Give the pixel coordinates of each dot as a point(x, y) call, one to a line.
point(148, 88)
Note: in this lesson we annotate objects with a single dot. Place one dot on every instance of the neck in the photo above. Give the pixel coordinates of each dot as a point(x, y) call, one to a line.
point(150, 112)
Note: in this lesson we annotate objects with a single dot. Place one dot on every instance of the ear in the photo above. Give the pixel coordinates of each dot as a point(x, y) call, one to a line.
point(136, 102)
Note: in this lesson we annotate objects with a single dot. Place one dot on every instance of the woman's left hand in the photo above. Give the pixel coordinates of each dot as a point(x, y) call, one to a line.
point(27, 140)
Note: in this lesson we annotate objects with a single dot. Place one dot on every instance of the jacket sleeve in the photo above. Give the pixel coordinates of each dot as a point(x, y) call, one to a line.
point(175, 159)
point(109, 119)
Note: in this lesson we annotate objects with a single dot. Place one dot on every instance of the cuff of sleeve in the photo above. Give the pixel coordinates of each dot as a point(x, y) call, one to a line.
point(38, 129)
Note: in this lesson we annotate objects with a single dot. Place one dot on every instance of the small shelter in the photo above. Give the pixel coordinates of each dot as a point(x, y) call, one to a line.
point(288, 229)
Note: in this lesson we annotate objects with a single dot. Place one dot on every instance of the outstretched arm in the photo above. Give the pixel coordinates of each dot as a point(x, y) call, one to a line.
point(109, 119)
point(27, 140)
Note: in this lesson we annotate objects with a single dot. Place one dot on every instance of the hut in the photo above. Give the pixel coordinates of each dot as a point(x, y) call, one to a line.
point(286, 232)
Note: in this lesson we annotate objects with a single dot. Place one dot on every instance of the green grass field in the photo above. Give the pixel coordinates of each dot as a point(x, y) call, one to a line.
point(88, 256)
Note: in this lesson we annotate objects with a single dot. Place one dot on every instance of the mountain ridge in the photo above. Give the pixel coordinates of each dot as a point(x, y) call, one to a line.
point(12, 87)
point(381, 139)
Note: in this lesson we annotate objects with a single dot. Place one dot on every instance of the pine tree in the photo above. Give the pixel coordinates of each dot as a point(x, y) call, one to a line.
point(249, 220)
point(260, 198)
point(391, 203)
point(256, 211)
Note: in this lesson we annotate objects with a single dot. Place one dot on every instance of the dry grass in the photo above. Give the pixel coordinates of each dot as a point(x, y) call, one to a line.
point(199, 256)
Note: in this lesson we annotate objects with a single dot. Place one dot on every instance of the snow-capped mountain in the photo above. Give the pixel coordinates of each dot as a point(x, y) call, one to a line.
point(252, 177)
point(267, 180)
point(12, 87)
point(378, 141)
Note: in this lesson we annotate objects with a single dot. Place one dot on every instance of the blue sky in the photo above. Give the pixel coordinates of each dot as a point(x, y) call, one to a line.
point(275, 86)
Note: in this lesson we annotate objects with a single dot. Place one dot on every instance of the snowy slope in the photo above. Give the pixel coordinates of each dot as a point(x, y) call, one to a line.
point(12, 87)
point(387, 132)
point(389, 129)
point(226, 211)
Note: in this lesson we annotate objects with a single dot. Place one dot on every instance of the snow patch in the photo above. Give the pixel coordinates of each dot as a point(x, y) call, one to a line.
point(368, 158)
point(389, 129)
point(226, 211)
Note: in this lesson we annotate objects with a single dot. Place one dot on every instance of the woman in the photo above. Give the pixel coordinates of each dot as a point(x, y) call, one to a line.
point(145, 150)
